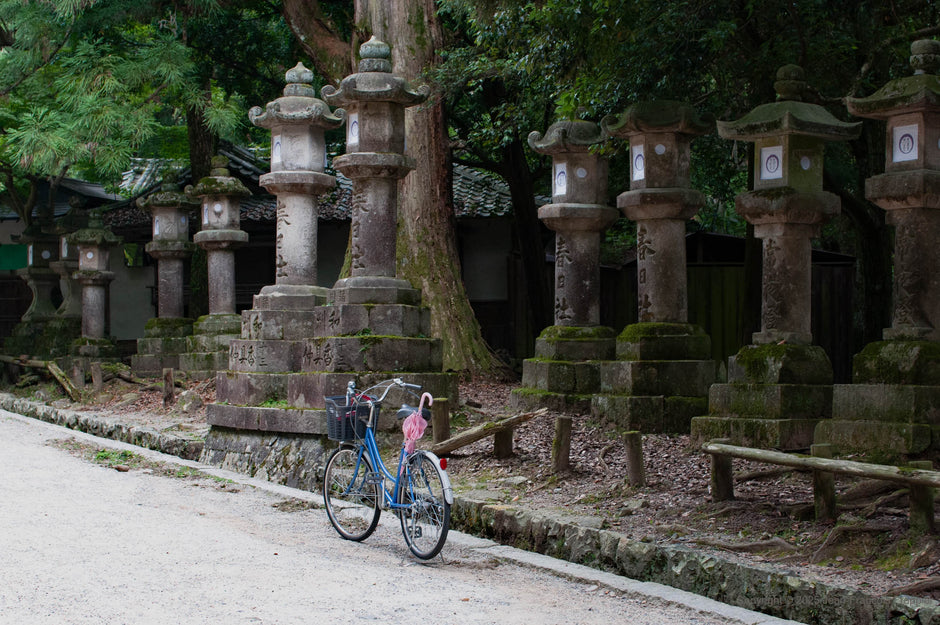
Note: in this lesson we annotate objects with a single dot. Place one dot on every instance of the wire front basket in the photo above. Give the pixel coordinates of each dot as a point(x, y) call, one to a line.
point(346, 422)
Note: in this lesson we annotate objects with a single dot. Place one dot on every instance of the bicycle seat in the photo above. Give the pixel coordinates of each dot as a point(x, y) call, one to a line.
point(406, 410)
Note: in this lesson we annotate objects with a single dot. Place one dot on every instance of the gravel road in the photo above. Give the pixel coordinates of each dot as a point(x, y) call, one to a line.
point(83, 543)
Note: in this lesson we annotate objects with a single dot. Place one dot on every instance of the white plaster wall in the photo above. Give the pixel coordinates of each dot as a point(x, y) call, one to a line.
point(484, 251)
point(8, 228)
point(130, 297)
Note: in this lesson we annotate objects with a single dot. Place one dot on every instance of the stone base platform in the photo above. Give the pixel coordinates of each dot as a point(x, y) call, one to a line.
point(208, 348)
point(660, 379)
point(160, 348)
point(775, 396)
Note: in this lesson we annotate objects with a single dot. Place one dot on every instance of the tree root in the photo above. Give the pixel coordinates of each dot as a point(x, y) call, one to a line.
point(600, 457)
point(775, 543)
point(764, 474)
point(870, 508)
point(837, 533)
point(931, 583)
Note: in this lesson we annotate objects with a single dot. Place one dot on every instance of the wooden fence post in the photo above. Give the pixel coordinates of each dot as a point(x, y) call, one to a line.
point(824, 486)
point(440, 420)
point(561, 445)
point(502, 443)
point(922, 497)
point(97, 379)
point(169, 388)
point(722, 478)
point(636, 471)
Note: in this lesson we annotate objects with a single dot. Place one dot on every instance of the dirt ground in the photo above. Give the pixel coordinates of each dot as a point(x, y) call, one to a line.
point(769, 521)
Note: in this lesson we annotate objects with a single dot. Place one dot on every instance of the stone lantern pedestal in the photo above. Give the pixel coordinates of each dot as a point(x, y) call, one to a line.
point(274, 332)
point(43, 282)
point(780, 387)
point(892, 408)
point(94, 245)
point(373, 326)
point(565, 372)
point(208, 347)
point(663, 368)
point(60, 331)
point(165, 336)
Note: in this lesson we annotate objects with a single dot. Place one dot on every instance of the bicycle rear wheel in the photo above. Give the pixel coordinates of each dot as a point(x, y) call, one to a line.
point(426, 520)
point(351, 497)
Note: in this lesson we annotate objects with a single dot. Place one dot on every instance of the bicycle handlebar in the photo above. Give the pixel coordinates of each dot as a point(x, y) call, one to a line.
point(351, 388)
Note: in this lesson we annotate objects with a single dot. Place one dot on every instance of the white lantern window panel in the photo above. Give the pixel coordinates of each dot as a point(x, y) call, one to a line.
point(276, 149)
point(660, 149)
point(561, 179)
point(46, 254)
point(352, 132)
point(217, 208)
point(771, 163)
point(29, 255)
point(905, 143)
point(156, 226)
point(581, 172)
point(64, 250)
point(805, 163)
point(637, 162)
point(90, 255)
point(205, 214)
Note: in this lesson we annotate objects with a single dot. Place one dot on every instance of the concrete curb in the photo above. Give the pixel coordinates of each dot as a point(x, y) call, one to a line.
point(677, 569)
point(148, 438)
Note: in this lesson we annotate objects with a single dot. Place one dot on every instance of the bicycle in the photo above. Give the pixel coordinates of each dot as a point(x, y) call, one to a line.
point(355, 477)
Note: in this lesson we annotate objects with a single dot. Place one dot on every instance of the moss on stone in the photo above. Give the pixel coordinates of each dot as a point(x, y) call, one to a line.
point(638, 331)
point(576, 333)
point(898, 362)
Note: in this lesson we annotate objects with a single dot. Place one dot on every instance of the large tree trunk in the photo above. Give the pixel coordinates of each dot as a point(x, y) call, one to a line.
point(427, 237)
point(202, 143)
point(427, 246)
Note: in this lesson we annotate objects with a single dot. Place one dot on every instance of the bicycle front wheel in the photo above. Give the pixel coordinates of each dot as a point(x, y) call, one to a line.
point(426, 519)
point(351, 494)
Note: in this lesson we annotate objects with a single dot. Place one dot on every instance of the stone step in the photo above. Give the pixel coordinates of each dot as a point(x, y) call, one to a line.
point(244, 388)
point(686, 378)
point(209, 342)
point(771, 401)
point(659, 414)
point(559, 376)
point(290, 325)
point(152, 365)
point(191, 362)
point(265, 356)
point(170, 345)
point(267, 419)
point(527, 399)
point(887, 441)
point(372, 353)
point(886, 403)
point(307, 390)
point(782, 434)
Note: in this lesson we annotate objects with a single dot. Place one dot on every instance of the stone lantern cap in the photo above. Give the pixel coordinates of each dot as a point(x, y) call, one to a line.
point(374, 82)
point(169, 196)
point(219, 182)
point(789, 115)
point(95, 234)
point(920, 92)
point(299, 105)
point(657, 116)
point(565, 137)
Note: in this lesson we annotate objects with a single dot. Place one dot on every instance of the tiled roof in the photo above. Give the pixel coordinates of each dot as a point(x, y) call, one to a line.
point(476, 193)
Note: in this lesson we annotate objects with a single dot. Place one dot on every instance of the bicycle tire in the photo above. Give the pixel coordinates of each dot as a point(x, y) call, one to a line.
point(426, 520)
point(351, 499)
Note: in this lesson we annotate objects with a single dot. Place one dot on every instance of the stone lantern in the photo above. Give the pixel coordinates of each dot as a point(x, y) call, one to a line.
point(783, 379)
point(43, 282)
point(375, 101)
point(220, 236)
point(889, 409)
point(578, 214)
point(373, 322)
point(297, 121)
point(283, 314)
point(165, 335)
point(663, 370)
point(94, 245)
point(61, 331)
